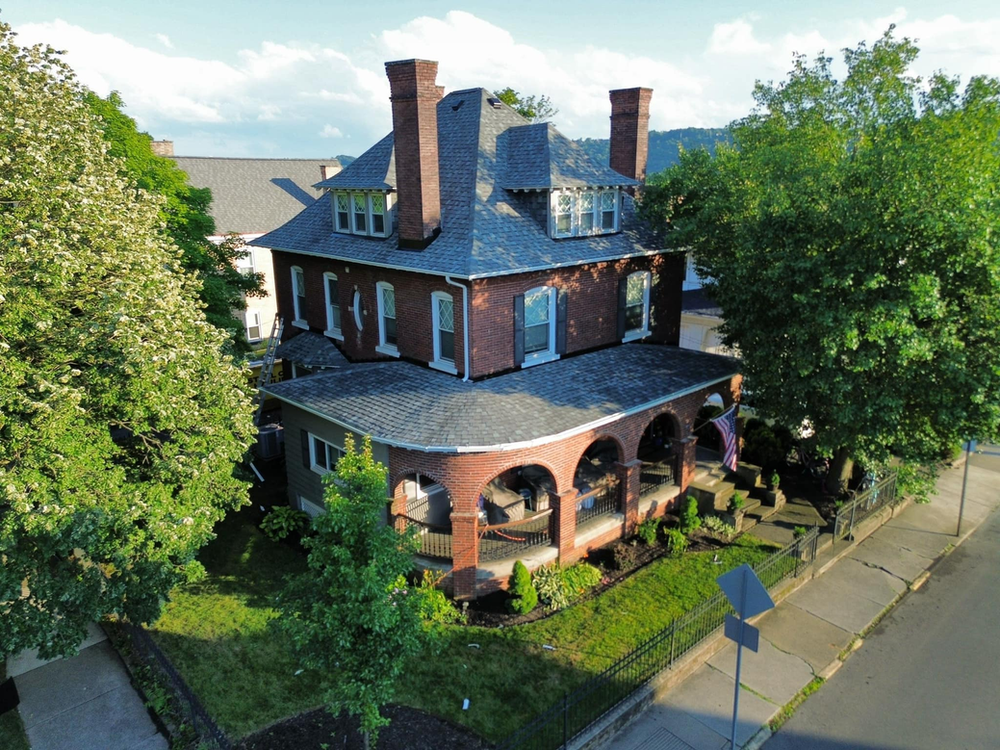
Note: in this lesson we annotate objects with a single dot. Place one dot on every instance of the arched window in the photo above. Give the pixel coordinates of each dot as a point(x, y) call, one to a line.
point(443, 317)
point(331, 289)
point(359, 309)
point(386, 297)
point(299, 297)
point(634, 304)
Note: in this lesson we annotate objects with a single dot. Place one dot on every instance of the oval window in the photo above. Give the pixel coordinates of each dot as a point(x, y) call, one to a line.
point(359, 310)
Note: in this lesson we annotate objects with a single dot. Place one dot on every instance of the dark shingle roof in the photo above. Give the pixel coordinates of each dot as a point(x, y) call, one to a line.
point(254, 195)
point(375, 169)
point(696, 302)
point(485, 230)
point(415, 407)
point(539, 157)
point(312, 350)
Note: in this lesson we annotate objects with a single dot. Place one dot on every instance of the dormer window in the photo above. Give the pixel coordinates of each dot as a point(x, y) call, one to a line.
point(584, 213)
point(362, 212)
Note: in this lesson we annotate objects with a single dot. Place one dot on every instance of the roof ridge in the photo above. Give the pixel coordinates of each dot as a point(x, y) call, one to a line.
point(258, 158)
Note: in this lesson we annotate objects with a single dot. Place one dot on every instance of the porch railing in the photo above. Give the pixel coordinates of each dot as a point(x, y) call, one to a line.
point(512, 538)
point(652, 476)
point(435, 541)
point(599, 502)
point(882, 494)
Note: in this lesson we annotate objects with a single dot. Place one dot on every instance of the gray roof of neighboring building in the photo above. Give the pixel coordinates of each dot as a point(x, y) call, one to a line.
point(312, 350)
point(696, 302)
point(485, 230)
point(539, 157)
point(406, 405)
point(254, 195)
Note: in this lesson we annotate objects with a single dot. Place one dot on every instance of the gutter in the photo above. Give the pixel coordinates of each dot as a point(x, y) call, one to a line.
point(465, 324)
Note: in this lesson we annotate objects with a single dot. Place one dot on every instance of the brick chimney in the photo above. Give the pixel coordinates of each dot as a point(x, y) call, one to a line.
point(630, 131)
point(163, 148)
point(414, 97)
point(326, 171)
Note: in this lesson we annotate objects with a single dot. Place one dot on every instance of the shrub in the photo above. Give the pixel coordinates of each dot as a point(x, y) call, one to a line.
point(689, 518)
point(799, 531)
point(580, 578)
point(624, 555)
point(524, 597)
point(646, 531)
point(775, 480)
point(766, 445)
point(717, 526)
point(736, 502)
point(435, 607)
point(676, 542)
point(551, 587)
point(282, 521)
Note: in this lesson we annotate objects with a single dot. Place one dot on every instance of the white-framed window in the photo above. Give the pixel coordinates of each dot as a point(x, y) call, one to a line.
point(443, 316)
point(362, 212)
point(253, 326)
point(323, 456)
point(386, 296)
point(539, 324)
point(299, 297)
point(310, 507)
point(581, 213)
point(637, 304)
point(331, 289)
point(300, 371)
point(359, 309)
point(245, 263)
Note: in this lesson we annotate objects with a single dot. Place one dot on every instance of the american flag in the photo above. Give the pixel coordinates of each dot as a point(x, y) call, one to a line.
point(725, 423)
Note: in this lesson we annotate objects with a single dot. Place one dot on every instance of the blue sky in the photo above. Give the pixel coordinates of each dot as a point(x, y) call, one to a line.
point(253, 78)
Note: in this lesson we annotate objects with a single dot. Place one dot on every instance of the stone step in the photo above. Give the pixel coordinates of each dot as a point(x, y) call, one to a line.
point(761, 513)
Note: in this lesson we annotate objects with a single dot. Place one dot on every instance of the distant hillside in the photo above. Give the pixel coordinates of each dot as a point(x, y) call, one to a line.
point(344, 159)
point(663, 145)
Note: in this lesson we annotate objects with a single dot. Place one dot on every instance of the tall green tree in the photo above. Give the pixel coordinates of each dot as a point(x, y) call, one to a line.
point(851, 235)
point(531, 107)
point(122, 423)
point(352, 617)
point(185, 213)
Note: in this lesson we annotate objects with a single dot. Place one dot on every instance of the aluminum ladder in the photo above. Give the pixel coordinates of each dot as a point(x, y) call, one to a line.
point(267, 366)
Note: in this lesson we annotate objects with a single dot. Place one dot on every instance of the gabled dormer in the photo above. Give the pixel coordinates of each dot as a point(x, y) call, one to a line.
point(583, 197)
point(363, 196)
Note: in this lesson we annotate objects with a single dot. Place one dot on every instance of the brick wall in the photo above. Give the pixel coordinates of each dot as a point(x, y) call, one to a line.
point(592, 304)
point(413, 305)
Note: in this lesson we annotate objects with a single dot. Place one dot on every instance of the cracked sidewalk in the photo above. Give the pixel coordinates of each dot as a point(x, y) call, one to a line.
point(805, 635)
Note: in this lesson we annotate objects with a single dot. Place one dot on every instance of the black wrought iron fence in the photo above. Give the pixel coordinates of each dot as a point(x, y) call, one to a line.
point(435, 541)
point(652, 476)
point(511, 539)
point(599, 502)
point(864, 504)
point(203, 724)
point(576, 711)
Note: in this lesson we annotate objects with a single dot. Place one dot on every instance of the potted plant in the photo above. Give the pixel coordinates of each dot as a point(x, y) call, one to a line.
point(774, 481)
point(735, 511)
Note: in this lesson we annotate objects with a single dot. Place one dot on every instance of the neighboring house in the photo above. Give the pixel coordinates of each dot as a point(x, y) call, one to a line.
point(478, 296)
point(250, 197)
point(700, 316)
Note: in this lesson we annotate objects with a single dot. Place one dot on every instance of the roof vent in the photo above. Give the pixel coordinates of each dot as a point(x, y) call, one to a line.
point(494, 102)
point(458, 106)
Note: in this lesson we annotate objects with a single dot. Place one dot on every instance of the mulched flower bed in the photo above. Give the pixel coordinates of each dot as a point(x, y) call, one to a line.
point(410, 729)
point(490, 611)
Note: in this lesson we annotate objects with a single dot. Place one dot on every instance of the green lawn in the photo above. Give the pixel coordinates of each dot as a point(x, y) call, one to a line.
point(217, 634)
point(12, 735)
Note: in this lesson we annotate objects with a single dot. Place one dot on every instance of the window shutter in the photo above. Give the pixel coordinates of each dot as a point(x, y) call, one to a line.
point(561, 302)
point(622, 300)
point(519, 330)
point(305, 449)
point(654, 298)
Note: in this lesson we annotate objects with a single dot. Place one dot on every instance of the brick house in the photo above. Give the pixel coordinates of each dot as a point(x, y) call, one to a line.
point(479, 296)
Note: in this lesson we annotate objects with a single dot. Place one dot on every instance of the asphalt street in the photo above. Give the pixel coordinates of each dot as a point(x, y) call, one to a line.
point(929, 675)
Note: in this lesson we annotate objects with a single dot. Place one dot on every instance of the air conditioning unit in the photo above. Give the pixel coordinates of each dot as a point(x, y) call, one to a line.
point(270, 441)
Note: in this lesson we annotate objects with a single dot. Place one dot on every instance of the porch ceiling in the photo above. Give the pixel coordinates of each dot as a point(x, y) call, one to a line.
point(410, 406)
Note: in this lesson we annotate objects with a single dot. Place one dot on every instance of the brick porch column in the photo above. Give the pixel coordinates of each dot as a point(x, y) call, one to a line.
point(628, 477)
point(397, 505)
point(465, 553)
point(686, 462)
point(564, 521)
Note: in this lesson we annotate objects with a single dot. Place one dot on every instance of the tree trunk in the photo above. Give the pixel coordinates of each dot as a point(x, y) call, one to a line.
point(840, 471)
point(366, 736)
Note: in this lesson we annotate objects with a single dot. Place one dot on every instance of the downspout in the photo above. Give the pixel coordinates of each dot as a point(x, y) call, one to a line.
point(465, 323)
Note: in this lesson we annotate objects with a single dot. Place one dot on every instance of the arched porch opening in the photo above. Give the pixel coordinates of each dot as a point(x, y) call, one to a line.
point(597, 482)
point(709, 447)
point(515, 512)
point(659, 453)
point(427, 506)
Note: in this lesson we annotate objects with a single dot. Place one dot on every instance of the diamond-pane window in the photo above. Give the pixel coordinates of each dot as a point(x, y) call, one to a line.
point(388, 302)
point(564, 214)
point(360, 213)
point(608, 209)
point(586, 212)
point(343, 212)
point(378, 203)
point(445, 349)
point(446, 315)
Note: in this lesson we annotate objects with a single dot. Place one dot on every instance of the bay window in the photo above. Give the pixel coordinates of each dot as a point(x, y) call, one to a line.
point(583, 213)
point(362, 212)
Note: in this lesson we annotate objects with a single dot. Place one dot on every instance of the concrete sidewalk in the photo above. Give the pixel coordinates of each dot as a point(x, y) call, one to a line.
point(805, 635)
point(86, 702)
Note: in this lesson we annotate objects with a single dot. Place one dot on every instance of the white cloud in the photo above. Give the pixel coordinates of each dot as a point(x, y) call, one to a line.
point(269, 112)
point(329, 131)
point(735, 38)
point(165, 41)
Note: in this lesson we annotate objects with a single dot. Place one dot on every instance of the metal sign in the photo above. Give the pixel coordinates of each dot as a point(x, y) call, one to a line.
point(745, 592)
point(750, 637)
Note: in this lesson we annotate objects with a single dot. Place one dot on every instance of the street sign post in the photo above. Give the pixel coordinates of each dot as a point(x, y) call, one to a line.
point(969, 446)
point(749, 598)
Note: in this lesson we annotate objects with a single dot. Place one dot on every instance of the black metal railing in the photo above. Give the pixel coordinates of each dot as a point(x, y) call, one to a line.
point(513, 538)
point(435, 541)
point(574, 712)
point(864, 504)
point(652, 476)
point(204, 726)
point(600, 502)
